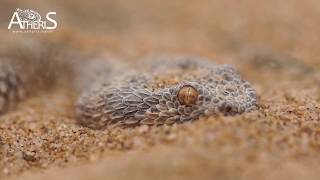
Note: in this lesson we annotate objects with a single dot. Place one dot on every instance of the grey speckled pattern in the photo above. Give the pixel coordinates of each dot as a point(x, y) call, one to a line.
point(130, 95)
point(12, 89)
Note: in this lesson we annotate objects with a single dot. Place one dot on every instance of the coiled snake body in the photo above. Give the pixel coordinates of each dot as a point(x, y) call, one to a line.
point(154, 92)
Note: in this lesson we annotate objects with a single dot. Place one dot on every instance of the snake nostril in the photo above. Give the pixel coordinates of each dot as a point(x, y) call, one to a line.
point(188, 95)
point(228, 109)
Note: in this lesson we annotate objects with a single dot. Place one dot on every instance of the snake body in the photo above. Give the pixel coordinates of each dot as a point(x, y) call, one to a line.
point(11, 87)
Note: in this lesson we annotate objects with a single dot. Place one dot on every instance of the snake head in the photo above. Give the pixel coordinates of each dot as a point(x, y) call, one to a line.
point(213, 90)
point(220, 91)
point(198, 100)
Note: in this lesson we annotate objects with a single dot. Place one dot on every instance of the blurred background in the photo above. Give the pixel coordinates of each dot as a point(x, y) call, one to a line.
point(207, 27)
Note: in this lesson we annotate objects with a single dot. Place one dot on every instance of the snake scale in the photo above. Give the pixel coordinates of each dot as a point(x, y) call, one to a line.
point(154, 91)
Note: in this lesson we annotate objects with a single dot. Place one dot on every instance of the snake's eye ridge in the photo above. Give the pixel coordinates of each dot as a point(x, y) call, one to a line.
point(188, 95)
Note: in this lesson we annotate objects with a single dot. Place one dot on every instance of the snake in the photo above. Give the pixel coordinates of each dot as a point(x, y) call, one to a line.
point(150, 91)
point(163, 90)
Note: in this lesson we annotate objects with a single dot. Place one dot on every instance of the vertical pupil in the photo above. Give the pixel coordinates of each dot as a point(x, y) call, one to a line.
point(188, 95)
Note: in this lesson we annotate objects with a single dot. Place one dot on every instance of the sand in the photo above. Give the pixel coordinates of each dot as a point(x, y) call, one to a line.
point(274, 45)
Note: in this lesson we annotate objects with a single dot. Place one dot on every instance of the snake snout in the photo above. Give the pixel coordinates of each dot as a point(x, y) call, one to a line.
point(231, 108)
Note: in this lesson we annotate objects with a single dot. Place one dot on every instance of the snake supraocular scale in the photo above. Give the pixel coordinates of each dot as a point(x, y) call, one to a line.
point(163, 91)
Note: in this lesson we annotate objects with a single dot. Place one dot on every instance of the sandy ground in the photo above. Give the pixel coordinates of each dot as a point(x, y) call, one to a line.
point(274, 44)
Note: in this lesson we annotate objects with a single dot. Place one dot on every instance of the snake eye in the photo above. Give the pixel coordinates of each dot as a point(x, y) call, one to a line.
point(188, 95)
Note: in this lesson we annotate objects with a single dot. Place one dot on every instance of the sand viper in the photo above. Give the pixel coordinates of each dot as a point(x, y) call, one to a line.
point(154, 91)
